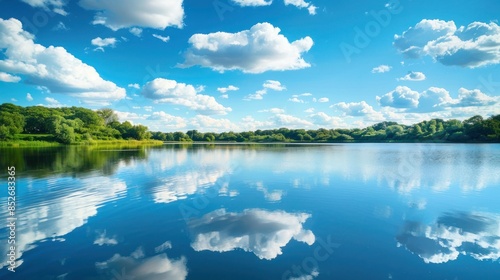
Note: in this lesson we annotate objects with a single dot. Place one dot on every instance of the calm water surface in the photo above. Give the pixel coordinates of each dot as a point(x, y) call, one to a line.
point(352, 211)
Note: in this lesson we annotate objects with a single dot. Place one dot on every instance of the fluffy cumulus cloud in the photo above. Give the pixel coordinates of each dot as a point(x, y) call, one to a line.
point(252, 3)
point(29, 97)
point(401, 97)
point(453, 234)
point(56, 6)
point(260, 49)
point(476, 45)
point(8, 78)
point(274, 85)
point(136, 266)
point(283, 120)
point(302, 4)
point(169, 91)
point(101, 43)
point(323, 119)
point(358, 109)
point(156, 14)
point(413, 76)
point(474, 97)
point(261, 232)
point(52, 68)
point(381, 69)
point(208, 123)
point(164, 120)
point(435, 99)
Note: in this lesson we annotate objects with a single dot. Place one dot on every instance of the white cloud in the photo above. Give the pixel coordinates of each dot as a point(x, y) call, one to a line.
point(207, 123)
point(102, 239)
point(311, 276)
point(302, 4)
point(253, 3)
point(269, 233)
point(272, 196)
point(296, 100)
point(52, 68)
point(225, 96)
point(260, 49)
point(401, 97)
point(476, 45)
point(435, 99)
point(381, 69)
point(153, 268)
point(282, 120)
point(136, 31)
point(29, 97)
point(164, 120)
point(156, 14)
point(59, 215)
point(57, 6)
point(413, 76)
point(274, 85)
point(322, 119)
point(162, 38)
point(474, 98)
point(269, 84)
point(226, 89)
point(136, 86)
point(310, 110)
point(273, 111)
point(8, 78)
point(323, 100)
point(358, 109)
point(52, 101)
point(182, 185)
point(169, 91)
point(101, 43)
point(454, 234)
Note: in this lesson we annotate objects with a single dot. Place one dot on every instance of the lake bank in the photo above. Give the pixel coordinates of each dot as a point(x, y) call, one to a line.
point(119, 143)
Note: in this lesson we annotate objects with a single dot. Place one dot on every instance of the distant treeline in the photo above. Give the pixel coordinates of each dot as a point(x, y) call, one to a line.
point(76, 124)
point(65, 125)
point(474, 129)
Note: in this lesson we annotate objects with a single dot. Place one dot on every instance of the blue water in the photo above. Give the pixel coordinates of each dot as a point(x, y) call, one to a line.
point(349, 211)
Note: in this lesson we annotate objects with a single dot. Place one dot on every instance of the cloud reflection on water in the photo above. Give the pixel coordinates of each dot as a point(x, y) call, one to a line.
point(136, 266)
point(453, 234)
point(261, 232)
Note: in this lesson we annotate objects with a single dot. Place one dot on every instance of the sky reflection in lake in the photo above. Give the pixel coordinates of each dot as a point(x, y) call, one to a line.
point(406, 211)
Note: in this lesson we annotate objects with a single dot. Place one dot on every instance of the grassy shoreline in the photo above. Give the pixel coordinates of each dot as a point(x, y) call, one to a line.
point(92, 143)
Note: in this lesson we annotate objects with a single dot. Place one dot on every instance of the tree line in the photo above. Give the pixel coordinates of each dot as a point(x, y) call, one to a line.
point(66, 125)
point(474, 129)
point(75, 124)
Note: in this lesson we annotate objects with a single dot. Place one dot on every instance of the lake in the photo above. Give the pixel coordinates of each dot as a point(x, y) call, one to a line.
point(343, 211)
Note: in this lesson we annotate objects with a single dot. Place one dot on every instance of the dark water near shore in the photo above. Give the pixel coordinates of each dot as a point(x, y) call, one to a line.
point(349, 211)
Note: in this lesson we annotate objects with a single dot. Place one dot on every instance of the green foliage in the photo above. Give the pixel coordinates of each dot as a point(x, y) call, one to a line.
point(80, 125)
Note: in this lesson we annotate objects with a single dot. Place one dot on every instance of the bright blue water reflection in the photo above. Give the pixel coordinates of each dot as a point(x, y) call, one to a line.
point(353, 211)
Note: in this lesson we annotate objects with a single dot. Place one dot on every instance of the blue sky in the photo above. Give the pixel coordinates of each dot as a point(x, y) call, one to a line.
point(220, 65)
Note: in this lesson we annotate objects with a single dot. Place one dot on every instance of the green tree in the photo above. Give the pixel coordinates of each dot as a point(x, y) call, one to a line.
point(107, 115)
